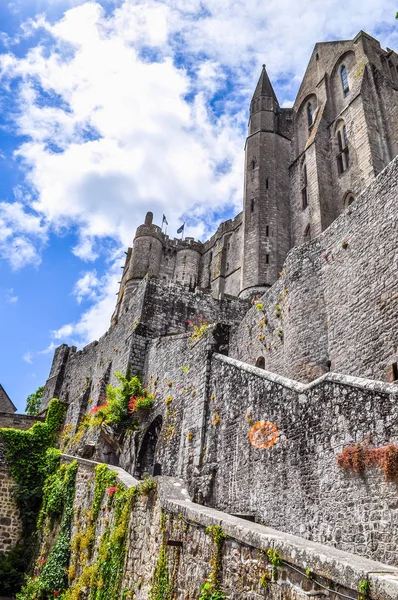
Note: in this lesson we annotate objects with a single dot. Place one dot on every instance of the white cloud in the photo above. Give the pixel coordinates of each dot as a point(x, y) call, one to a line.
point(63, 332)
point(22, 234)
point(95, 320)
point(10, 297)
point(86, 286)
point(50, 348)
point(28, 357)
point(145, 108)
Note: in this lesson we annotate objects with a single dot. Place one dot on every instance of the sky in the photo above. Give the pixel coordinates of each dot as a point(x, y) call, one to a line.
point(111, 108)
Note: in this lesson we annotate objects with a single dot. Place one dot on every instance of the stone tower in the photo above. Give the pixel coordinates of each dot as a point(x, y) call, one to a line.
point(266, 222)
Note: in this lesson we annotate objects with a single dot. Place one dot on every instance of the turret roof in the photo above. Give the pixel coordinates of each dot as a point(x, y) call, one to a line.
point(264, 86)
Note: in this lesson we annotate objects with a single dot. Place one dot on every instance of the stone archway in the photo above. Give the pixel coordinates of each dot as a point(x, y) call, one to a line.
point(146, 456)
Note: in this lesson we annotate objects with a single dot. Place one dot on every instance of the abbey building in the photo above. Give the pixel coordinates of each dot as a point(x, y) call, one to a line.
point(303, 167)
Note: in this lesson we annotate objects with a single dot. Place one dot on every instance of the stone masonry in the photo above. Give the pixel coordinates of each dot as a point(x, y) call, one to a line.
point(303, 167)
point(297, 358)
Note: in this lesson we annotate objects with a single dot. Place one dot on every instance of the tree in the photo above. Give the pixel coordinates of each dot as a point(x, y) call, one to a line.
point(33, 402)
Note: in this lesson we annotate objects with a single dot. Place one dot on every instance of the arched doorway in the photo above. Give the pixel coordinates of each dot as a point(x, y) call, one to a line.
point(146, 456)
point(260, 362)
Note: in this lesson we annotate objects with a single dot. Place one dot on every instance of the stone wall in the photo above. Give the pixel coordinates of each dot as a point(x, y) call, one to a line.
point(154, 309)
point(18, 421)
point(189, 549)
point(6, 406)
point(337, 297)
point(295, 483)
point(10, 522)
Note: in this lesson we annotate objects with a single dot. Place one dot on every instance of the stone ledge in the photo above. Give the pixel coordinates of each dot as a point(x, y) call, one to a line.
point(297, 386)
point(342, 567)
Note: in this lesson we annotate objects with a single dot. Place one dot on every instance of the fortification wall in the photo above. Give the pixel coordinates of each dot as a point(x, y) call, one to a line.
point(337, 297)
point(166, 535)
point(295, 484)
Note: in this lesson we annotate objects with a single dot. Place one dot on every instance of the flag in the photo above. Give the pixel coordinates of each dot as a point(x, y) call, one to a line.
point(164, 220)
point(181, 229)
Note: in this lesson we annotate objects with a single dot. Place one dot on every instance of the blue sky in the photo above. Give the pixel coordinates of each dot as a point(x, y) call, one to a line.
point(112, 108)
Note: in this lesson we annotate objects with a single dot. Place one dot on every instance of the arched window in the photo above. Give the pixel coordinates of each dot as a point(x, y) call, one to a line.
point(343, 154)
point(260, 362)
point(252, 205)
point(304, 186)
point(253, 164)
point(349, 199)
point(309, 115)
point(344, 80)
point(307, 233)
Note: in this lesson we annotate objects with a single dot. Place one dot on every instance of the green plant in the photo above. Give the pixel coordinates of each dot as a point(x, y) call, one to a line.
point(27, 458)
point(265, 580)
point(344, 244)
point(121, 404)
point(33, 402)
point(308, 573)
point(364, 590)
point(276, 561)
point(185, 368)
point(259, 306)
point(211, 589)
point(280, 333)
point(198, 330)
point(53, 579)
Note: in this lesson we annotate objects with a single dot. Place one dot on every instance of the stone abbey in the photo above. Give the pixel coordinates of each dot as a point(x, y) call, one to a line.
point(303, 167)
point(269, 356)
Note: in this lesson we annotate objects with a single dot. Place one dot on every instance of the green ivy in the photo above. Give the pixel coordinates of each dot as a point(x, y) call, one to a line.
point(29, 463)
point(276, 561)
point(211, 589)
point(53, 577)
point(161, 587)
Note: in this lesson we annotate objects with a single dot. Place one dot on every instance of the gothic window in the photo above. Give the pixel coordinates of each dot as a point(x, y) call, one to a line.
point(309, 115)
point(343, 154)
point(304, 186)
point(266, 184)
point(344, 80)
point(267, 259)
point(349, 199)
point(252, 205)
point(307, 233)
point(267, 231)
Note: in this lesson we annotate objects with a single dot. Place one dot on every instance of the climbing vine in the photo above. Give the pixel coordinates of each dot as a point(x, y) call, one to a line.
point(160, 589)
point(29, 463)
point(359, 457)
point(212, 588)
point(52, 579)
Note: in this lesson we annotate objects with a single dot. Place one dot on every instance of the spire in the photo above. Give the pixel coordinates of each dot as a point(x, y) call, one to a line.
point(264, 87)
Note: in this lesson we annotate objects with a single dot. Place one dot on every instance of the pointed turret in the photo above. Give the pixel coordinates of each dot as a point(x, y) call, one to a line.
point(266, 221)
point(264, 87)
point(264, 106)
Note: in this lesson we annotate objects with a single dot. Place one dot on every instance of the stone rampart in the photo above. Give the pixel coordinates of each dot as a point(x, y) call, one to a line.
point(169, 522)
point(335, 305)
point(285, 473)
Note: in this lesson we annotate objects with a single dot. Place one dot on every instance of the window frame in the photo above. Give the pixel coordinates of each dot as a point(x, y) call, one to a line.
point(343, 156)
point(304, 187)
point(344, 80)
